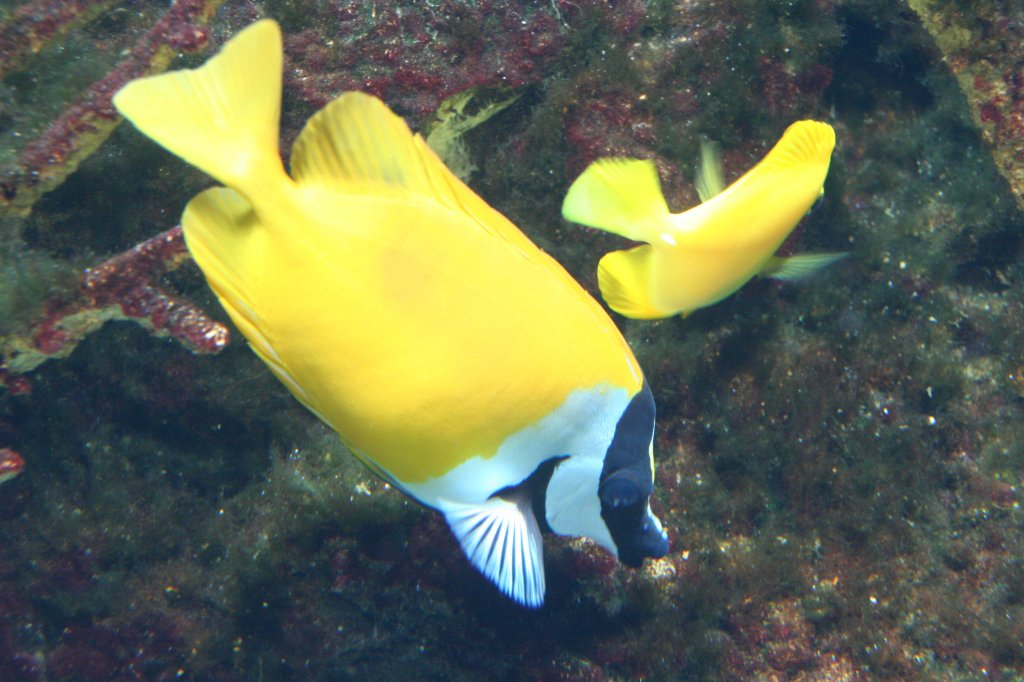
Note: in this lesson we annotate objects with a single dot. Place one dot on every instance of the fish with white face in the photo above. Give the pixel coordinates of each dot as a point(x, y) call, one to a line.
point(453, 357)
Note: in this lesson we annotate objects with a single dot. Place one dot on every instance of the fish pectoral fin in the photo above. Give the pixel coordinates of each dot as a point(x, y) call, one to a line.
point(621, 196)
point(624, 281)
point(800, 267)
point(502, 538)
point(710, 179)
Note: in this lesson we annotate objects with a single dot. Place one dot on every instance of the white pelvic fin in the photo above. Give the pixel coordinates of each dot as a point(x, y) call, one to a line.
point(800, 267)
point(502, 539)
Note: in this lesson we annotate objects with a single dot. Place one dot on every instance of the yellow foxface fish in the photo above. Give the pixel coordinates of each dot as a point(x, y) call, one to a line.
point(454, 358)
point(696, 258)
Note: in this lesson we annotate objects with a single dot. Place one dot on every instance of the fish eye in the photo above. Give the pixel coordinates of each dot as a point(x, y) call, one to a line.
point(621, 489)
point(620, 493)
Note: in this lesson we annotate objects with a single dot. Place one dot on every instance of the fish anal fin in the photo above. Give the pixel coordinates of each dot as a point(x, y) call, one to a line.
point(621, 196)
point(220, 228)
point(623, 277)
point(801, 266)
point(502, 539)
point(224, 236)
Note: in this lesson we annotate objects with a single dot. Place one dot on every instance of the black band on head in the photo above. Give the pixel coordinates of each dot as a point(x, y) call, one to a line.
point(630, 447)
point(627, 482)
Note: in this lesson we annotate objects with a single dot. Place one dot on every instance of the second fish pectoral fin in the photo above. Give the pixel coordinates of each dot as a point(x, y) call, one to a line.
point(502, 539)
point(710, 179)
point(800, 267)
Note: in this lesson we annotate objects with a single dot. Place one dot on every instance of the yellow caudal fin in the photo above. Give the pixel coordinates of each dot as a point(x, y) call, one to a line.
point(357, 144)
point(622, 196)
point(624, 280)
point(222, 117)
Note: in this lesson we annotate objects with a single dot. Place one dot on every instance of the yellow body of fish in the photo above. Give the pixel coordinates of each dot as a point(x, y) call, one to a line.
point(453, 356)
point(696, 258)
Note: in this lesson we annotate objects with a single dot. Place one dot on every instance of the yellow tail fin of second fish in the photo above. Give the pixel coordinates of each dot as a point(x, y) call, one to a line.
point(222, 117)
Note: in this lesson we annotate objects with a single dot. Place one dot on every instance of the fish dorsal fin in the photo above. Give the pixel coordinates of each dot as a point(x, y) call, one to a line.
point(356, 143)
point(760, 208)
point(622, 196)
point(502, 538)
point(357, 140)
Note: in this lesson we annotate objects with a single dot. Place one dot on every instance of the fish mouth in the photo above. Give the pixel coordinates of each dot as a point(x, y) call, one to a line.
point(651, 542)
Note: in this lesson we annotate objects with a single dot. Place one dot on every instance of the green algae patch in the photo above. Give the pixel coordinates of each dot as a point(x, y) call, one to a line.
point(27, 280)
point(456, 116)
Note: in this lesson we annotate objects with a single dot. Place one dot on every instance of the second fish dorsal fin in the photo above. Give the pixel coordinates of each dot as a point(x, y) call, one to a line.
point(357, 144)
point(618, 195)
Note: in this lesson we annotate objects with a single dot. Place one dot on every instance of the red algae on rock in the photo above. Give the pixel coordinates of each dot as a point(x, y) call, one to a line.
point(81, 129)
point(33, 25)
point(123, 287)
point(983, 45)
point(414, 56)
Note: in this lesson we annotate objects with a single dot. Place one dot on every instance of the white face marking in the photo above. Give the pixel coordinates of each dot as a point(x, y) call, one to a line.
point(650, 453)
point(655, 519)
point(581, 428)
point(573, 504)
point(668, 239)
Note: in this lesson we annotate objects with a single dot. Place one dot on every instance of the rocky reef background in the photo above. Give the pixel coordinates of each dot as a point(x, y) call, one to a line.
point(839, 462)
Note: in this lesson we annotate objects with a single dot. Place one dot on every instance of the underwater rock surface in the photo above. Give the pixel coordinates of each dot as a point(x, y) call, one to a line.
point(839, 462)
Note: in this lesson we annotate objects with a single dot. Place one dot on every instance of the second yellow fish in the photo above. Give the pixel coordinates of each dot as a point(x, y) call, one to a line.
point(696, 258)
